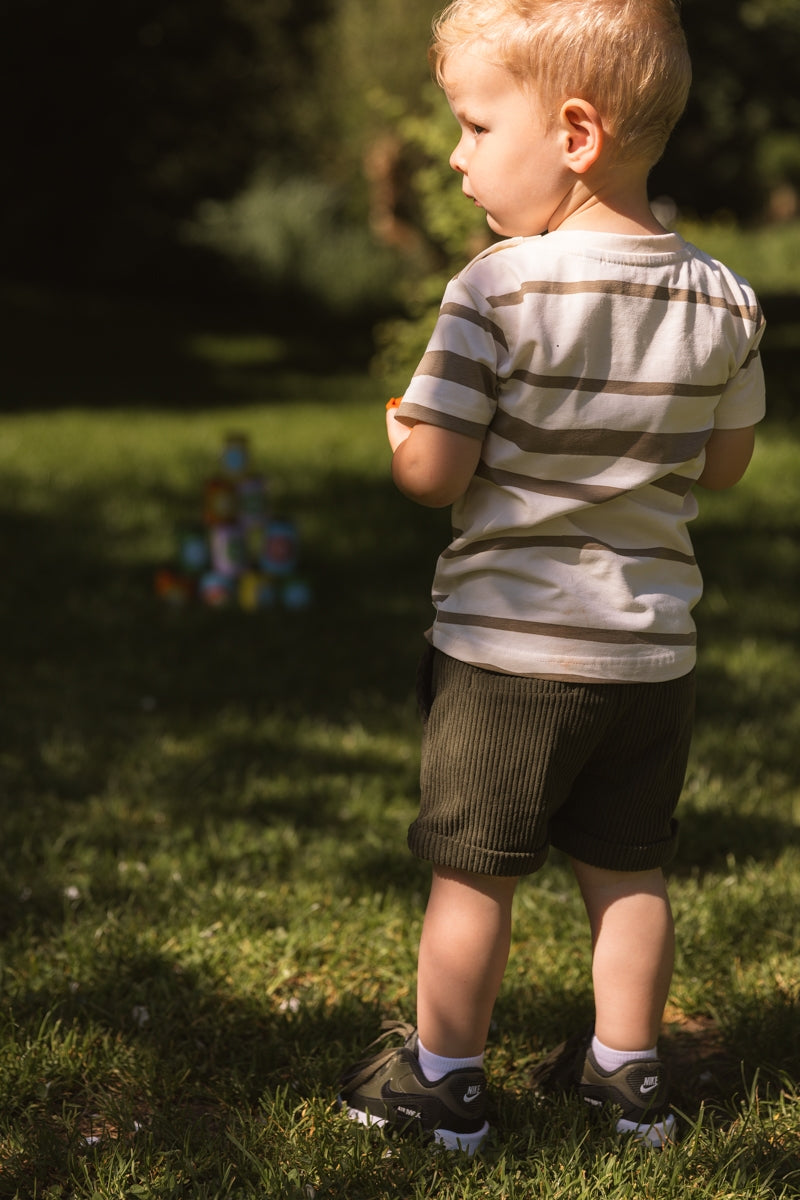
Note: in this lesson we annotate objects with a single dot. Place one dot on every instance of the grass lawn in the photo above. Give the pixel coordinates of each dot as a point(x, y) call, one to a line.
point(207, 905)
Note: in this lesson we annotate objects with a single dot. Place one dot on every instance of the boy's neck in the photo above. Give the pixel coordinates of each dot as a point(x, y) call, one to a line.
point(613, 202)
point(602, 219)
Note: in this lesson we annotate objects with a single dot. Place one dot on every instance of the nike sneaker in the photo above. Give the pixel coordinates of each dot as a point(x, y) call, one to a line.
point(639, 1090)
point(387, 1088)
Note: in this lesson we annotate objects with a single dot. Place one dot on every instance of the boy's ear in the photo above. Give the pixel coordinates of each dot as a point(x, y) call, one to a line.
point(583, 133)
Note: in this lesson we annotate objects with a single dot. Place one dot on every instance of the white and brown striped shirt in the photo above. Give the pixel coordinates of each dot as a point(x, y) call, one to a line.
point(593, 367)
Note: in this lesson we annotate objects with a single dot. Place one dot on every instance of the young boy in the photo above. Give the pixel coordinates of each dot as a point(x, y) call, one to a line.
point(576, 387)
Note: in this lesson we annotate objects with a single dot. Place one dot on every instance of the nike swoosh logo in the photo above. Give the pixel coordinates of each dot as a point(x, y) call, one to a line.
point(646, 1088)
point(469, 1099)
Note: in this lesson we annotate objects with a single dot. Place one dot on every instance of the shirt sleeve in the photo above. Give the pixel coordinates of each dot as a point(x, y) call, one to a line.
point(743, 402)
point(455, 384)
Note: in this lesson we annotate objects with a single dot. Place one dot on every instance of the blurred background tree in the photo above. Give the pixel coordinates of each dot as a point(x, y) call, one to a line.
point(119, 118)
point(737, 148)
point(151, 143)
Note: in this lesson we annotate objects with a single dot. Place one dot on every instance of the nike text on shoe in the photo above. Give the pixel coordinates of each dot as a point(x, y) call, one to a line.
point(387, 1088)
point(639, 1089)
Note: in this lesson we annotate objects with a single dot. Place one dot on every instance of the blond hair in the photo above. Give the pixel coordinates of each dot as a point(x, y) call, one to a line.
point(628, 58)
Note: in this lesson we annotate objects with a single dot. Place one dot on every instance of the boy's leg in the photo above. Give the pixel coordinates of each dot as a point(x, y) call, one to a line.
point(463, 952)
point(633, 943)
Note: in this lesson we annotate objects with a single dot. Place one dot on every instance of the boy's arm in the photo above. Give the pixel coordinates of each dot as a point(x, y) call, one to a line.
point(431, 465)
point(728, 454)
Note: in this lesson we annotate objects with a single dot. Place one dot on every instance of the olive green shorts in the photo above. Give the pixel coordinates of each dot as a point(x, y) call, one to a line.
point(512, 766)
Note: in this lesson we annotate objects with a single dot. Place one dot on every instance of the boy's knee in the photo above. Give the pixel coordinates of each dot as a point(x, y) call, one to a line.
point(624, 882)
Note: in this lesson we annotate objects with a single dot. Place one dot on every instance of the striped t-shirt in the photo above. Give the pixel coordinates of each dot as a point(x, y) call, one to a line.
point(593, 367)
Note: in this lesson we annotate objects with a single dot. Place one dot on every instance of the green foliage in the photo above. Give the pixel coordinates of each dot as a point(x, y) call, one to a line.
point(135, 113)
point(741, 108)
point(451, 222)
point(366, 52)
point(128, 114)
point(207, 903)
point(294, 235)
point(454, 231)
point(769, 257)
point(737, 142)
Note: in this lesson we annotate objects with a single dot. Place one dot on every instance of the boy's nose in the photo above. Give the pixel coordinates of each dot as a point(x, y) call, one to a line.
point(457, 160)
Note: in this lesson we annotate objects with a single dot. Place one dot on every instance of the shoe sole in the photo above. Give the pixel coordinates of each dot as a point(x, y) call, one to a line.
point(660, 1133)
point(446, 1139)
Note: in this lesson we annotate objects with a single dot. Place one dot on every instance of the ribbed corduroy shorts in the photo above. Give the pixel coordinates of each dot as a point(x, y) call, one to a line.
point(512, 766)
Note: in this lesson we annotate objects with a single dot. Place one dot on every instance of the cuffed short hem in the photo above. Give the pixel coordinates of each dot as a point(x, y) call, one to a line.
point(458, 856)
point(610, 857)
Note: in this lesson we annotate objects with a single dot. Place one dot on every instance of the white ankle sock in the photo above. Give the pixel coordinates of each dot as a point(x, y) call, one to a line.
point(609, 1060)
point(434, 1066)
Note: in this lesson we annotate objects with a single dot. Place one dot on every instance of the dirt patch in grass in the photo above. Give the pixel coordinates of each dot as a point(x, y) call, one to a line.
point(702, 1067)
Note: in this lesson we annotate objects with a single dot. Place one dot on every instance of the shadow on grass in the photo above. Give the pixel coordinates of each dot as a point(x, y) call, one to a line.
point(780, 347)
point(65, 348)
point(166, 1065)
point(92, 662)
point(72, 349)
point(94, 666)
point(206, 1064)
point(102, 679)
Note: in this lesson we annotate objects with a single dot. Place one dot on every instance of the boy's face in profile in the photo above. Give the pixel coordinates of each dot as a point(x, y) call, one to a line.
point(508, 155)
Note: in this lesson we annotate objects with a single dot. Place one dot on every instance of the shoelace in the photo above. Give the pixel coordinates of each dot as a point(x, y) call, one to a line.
point(366, 1067)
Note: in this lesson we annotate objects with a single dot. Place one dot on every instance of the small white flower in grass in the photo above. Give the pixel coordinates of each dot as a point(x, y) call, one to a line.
point(72, 892)
point(290, 1005)
point(140, 1015)
point(124, 867)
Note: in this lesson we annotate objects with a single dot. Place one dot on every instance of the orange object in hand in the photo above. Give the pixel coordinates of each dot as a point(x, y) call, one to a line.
point(394, 402)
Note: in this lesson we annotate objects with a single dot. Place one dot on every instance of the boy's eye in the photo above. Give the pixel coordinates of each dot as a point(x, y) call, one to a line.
point(477, 129)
